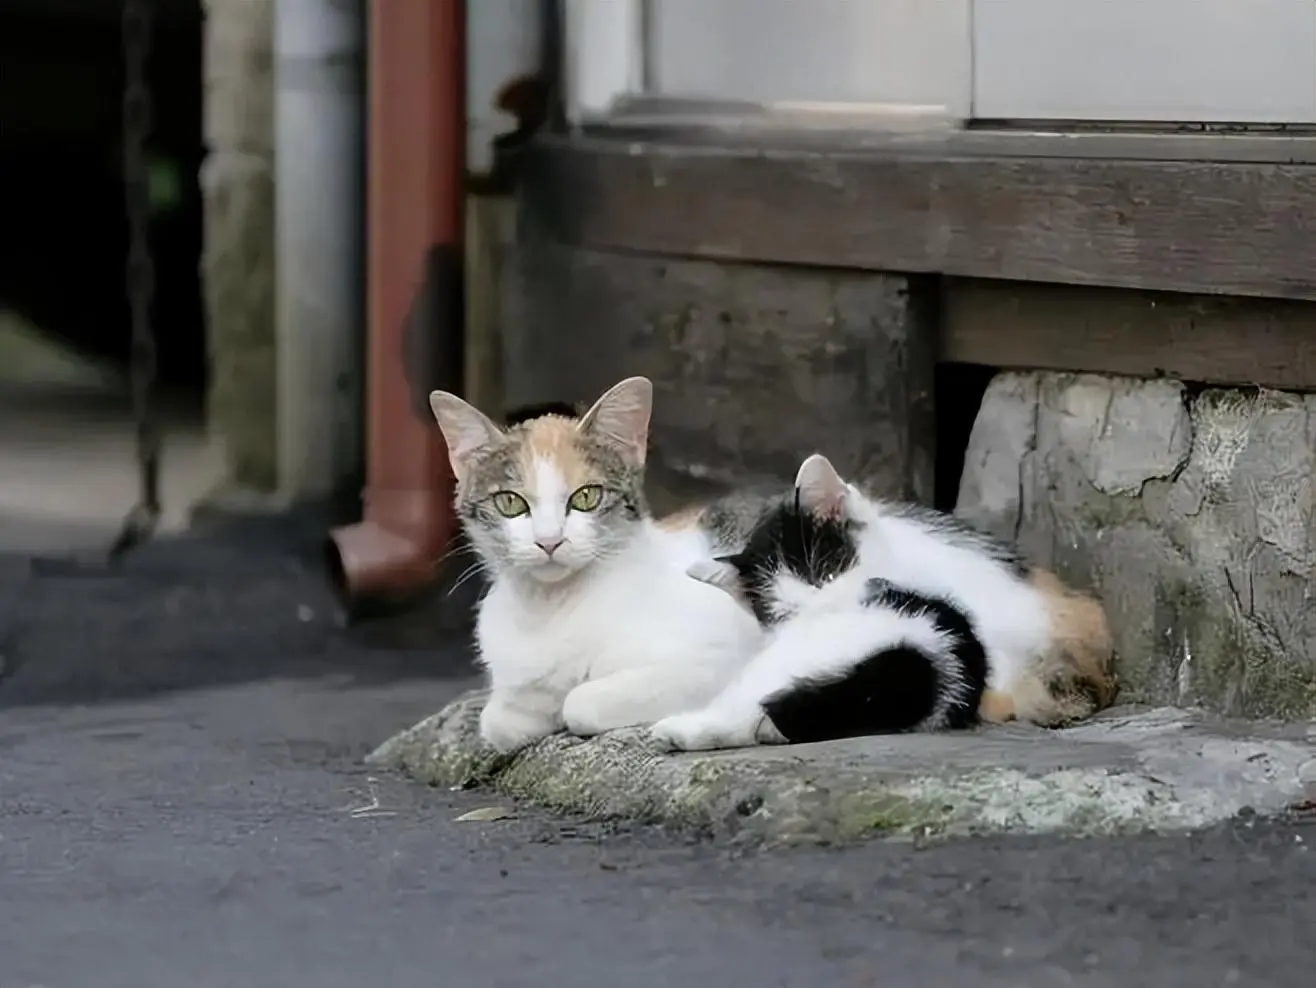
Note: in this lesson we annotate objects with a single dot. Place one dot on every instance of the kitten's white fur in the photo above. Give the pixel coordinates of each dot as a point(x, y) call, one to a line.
point(596, 634)
point(828, 629)
point(824, 639)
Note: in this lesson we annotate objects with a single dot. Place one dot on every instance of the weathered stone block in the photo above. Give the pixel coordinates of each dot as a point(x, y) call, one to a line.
point(1119, 773)
point(754, 366)
point(238, 273)
point(1192, 514)
point(239, 75)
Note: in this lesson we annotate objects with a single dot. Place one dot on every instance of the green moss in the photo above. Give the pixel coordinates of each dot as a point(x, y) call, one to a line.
point(1101, 511)
point(870, 813)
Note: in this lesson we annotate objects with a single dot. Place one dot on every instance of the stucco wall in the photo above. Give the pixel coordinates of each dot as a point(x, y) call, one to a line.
point(237, 182)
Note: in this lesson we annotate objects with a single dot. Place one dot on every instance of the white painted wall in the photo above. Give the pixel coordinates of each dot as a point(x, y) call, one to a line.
point(874, 51)
point(1152, 60)
point(502, 43)
point(1196, 60)
point(604, 44)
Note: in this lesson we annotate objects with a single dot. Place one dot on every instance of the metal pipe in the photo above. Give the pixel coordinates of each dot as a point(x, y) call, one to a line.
point(415, 208)
point(319, 123)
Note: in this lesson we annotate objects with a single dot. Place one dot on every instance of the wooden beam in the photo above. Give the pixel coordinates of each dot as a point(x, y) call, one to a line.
point(1207, 339)
point(1184, 226)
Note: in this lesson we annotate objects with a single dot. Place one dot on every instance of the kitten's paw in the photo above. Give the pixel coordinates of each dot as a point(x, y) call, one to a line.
point(507, 729)
point(704, 730)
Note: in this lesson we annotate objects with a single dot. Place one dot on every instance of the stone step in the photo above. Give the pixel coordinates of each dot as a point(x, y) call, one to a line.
point(1128, 770)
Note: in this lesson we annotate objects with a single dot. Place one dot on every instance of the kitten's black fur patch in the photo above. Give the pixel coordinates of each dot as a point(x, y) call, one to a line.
point(538, 410)
point(892, 690)
point(888, 692)
point(952, 622)
point(786, 537)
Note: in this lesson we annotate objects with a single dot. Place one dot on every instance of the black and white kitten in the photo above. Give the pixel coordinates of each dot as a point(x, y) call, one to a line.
point(843, 659)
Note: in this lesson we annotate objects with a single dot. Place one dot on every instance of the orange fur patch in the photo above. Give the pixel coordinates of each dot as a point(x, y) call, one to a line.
point(1075, 678)
point(996, 707)
point(557, 440)
point(683, 520)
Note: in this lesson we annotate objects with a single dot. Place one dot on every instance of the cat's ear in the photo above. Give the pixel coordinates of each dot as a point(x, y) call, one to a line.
point(716, 572)
point(621, 417)
point(465, 428)
point(819, 489)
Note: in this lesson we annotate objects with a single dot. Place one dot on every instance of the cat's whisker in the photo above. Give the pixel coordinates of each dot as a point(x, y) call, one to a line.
point(467, 574)
point(456, 550)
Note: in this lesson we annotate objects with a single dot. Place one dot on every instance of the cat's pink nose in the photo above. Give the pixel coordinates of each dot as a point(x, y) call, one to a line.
point(549, 545)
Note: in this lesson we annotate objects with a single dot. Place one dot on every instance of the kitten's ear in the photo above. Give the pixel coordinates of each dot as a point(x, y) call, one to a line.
point(716, 572)
point(621, 417)
point(819, 489)
point(465, 429)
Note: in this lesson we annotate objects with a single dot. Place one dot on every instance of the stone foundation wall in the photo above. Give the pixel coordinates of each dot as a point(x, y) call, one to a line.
point(1191, 512)
point(237, 181)
point(754, 366)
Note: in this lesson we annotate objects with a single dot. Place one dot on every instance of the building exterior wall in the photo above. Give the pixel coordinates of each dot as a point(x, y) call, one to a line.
point(782, 306)
point(1131, 439)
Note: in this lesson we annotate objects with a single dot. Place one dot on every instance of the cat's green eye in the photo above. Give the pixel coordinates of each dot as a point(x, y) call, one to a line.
point(510, 504)
point(586, 498)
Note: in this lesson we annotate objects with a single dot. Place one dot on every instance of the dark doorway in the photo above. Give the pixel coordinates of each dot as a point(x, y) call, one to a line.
point(959, 393)
point(64, 227)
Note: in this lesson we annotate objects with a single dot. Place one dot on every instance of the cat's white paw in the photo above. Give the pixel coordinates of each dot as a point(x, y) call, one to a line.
point(507, 729)
point(702, 730)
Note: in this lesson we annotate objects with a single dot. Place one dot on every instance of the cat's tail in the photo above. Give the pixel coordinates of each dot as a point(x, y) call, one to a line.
point(960, 663)
point(929, 675)
point(1075, 677)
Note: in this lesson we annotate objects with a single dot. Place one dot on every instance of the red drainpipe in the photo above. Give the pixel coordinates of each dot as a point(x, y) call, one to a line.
point(415, 207)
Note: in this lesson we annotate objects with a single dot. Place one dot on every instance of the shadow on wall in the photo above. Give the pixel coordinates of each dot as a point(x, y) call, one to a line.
point(64, 233)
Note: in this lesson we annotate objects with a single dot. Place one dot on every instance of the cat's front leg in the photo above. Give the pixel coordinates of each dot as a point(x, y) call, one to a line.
point(719, 725)
point(514, 718)
point(736, 718)
point(633, 697)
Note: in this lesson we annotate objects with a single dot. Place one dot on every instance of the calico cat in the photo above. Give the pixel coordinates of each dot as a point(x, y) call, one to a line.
point(890, 617)
point(590, 622)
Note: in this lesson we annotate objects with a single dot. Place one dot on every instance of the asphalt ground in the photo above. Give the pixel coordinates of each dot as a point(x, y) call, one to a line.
point(182, 802)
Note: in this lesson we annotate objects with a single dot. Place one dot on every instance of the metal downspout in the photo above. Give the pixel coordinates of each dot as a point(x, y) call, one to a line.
point(415, 207)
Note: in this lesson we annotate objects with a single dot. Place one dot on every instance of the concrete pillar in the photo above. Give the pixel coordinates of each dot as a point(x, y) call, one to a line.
point(237, 181)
